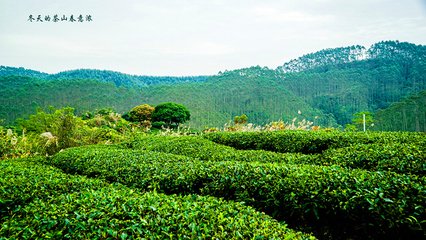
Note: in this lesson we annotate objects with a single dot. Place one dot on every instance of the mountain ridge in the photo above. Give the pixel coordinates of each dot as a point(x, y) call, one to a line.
point(332, 83)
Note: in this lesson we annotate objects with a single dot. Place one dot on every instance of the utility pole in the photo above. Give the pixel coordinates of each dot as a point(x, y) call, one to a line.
point(363, 120)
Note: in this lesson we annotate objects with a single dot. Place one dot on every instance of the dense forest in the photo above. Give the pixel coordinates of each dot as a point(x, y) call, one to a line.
point(257, 92)
point(327, 87)
point(119, 79)
point(407, 115)
point(338, 84)
point(21, 96)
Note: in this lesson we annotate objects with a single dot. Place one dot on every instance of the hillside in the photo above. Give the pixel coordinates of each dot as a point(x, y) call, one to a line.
point(257, 92)
point(326, 87)
point(254, 91)
point(407, 115)
point(20, 96)
point(119, 79)
point(344, 81)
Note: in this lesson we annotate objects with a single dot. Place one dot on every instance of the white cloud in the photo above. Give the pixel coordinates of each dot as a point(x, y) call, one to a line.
point(197, 48)
point(274, 15)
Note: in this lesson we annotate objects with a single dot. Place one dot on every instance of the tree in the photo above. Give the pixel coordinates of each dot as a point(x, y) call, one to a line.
point(141, 113)
point(59, 124)
point(240, 119)
point(172, 114)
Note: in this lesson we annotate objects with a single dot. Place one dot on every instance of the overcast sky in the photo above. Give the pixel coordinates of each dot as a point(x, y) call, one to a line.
point(196, 37)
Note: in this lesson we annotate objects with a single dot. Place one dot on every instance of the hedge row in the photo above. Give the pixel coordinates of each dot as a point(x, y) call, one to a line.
point(203, 149)
point(321, 197)
point(396, 157)
point(309, 142)
point(122, 214)
point(61, 206)
point(23, 180)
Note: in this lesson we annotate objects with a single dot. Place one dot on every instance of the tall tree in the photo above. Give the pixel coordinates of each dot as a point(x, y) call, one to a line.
point(172, 114)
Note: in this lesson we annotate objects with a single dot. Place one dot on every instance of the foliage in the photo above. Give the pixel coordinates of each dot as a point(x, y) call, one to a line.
point(20, 96)
point(328, 87)
point(13, 145)
point(344, 81)
point(47, 132)
point(272, 126)
point(257, 92)
point(38, 201)
point(158, 124)
point(121, 213)
point(324, 58)
point(205, 150)
point(24, 180)
point(241, 119)
point(396, 157)
point(172, 114)
point(307, 142)
point(141, 113)
point(409, 114)
point(60, 124)
point(358, 120)
point(376, 204)
point(121, 79)
point(117, 78)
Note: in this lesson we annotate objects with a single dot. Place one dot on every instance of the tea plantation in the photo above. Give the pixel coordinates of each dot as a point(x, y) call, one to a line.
point(225, 185)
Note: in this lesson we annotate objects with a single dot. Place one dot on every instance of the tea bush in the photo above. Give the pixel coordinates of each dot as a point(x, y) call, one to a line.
point(309, 142)
point(396, 157)
point(372, 202)
point(23, 180)
point(40, 201)
point(203, 149)
point(120, 213)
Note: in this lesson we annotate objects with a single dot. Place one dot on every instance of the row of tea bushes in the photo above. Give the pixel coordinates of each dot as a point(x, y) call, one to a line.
point(23, 180)
point(136, 168)
point(45, 203)
point(203, 149)
point(112, 213)
point(324, 197)
point(309, 142)
point(396, 157)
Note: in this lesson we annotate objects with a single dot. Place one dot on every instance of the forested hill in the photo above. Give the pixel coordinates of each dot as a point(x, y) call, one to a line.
point(257, 92)
point(327, 87)
point(335, 82)
point(20, 96)
point(339, 57)
point(324, 58)
point(406, 115)
point(14, 71)
point(119, 79)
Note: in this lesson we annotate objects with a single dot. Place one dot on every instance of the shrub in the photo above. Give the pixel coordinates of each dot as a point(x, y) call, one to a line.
point(13, 145)
point(203, 149)
point(396, 157)
point(23, 180)
point(158, 124)
point(377, 204)
point(121, 213)
point(309, 142)
point(141, 113)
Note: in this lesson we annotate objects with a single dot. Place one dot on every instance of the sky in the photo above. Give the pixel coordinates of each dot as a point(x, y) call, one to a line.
point(196, 37)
